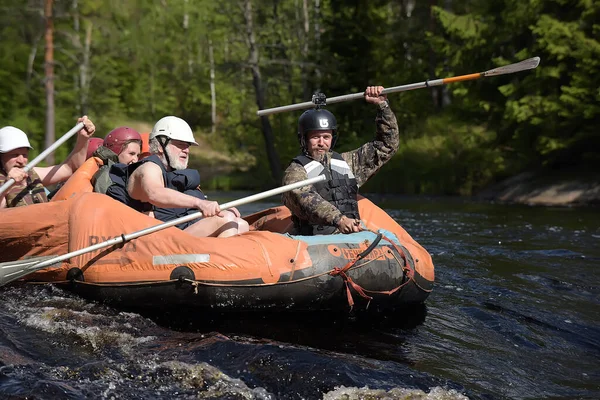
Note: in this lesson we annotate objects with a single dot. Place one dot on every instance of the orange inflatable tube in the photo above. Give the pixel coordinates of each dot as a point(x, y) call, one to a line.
point(265, 268)
point(80, 181)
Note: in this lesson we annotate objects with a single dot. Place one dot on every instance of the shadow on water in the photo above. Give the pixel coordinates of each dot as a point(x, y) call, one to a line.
point(370, 335)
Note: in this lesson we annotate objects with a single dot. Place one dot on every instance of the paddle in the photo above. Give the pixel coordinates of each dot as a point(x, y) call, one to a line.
point(44, 154)
point(13, 270)
point(530, 63)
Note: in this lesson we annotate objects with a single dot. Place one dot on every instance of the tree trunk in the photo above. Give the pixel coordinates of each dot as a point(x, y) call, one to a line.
point(31, 59)
point(306, 89)
point(440, 95)
point(49, 79)
point(317, 46)
point(213, 93)
point(186, 16)
point(434, 91)
point(186, 25)
point(82, 57)
point(77, 43)
point(260, 96)
point(446, 101)
point(84, 70)
point(152, 90)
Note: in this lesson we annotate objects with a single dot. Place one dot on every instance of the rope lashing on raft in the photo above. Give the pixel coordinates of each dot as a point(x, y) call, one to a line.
point(335, 272)
point(348, 281)
point(407, 268)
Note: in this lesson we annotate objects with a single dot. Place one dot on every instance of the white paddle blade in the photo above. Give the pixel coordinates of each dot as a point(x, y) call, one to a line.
point(524, 65)
point(13, 270)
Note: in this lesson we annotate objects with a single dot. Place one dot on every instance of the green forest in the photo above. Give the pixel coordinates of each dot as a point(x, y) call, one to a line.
point(215, 63)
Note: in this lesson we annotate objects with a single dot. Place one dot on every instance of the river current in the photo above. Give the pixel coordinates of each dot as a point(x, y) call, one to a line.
point(514, 314)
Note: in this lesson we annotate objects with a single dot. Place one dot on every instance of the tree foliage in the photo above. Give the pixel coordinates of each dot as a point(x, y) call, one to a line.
point(142, 59)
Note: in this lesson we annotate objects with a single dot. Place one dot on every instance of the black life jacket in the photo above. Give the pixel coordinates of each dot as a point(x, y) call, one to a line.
point(340, 189)
point(185, 181)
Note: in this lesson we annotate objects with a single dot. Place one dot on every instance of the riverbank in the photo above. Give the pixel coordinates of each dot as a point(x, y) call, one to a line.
point(549, 188)
point(577, 186)
point(529, 188)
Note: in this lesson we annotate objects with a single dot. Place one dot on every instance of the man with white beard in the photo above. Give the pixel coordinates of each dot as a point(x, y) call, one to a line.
point(162, 186)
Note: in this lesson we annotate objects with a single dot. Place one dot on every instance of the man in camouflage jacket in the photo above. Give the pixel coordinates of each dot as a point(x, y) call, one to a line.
point(332, 206)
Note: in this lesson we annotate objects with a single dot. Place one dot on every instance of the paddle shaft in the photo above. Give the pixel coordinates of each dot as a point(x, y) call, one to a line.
point(508, 69)
point(26, 267)
point(44, 154)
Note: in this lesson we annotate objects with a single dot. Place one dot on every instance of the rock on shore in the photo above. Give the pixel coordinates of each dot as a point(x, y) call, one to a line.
point(547, 188)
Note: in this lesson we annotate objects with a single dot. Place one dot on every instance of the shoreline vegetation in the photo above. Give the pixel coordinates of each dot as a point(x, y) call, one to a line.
point(222, 170)
point(215, 63)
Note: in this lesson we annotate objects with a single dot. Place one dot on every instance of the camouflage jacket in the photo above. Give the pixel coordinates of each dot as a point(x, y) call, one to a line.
point(27, 192)
point(306, 204)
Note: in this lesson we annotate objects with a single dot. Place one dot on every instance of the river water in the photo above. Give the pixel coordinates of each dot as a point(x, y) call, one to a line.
point(514, 315)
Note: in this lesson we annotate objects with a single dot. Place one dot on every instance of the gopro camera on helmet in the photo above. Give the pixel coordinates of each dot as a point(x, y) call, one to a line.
point(319, 99)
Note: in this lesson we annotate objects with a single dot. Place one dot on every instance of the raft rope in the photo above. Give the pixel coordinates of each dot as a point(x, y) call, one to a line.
point(197, 283)
point(348, 281)
point(408, 269)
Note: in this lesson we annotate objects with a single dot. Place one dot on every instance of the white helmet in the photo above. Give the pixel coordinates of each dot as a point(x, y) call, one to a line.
point(173, 128)
point(12, 138)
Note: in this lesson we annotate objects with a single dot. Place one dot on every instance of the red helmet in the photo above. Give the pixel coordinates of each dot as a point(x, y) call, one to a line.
point(93, 144)
point(119, 136)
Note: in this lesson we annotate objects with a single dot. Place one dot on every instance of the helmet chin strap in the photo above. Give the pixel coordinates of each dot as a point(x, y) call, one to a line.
point(164, 147)
point(303, 145)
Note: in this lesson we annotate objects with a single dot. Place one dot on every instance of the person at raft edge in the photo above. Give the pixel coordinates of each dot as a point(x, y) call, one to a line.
point(332, 206)
point(121, 145)
point(30, 187)
point(162, 186)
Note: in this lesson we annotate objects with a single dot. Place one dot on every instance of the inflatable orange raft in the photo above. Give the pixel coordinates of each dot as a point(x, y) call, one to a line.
point(264, 269)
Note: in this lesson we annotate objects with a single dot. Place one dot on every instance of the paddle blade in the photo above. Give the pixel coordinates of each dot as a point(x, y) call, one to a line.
point(13, 270)
point(524, 65)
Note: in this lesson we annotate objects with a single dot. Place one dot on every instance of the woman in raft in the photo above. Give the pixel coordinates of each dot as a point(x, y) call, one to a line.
point(122, 145)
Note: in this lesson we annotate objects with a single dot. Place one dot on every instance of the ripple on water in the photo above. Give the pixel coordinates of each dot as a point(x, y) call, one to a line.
point(516, 291)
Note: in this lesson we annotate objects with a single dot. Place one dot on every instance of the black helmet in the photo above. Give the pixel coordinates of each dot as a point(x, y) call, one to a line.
point(316, 120)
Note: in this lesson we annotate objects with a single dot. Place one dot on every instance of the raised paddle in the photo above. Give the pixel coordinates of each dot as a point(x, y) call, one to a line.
point(530, 63)
point(44, 154)
point(13, 270)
